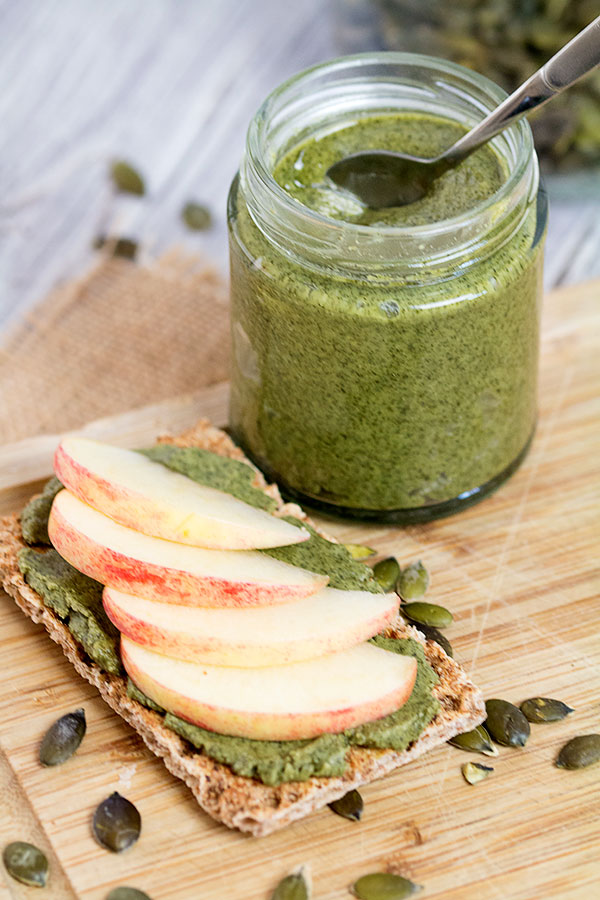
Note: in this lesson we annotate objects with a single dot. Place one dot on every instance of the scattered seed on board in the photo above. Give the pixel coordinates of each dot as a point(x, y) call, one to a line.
point(580, 752)
point(62, 738)
point(359, 551)
point(544, 709)
point(196, 216)
point(292, 887)
point(117, 823)
point(26, 863)
point(434, 634)
point(413, 581)
point(127, 893)
point(427, 614)
point(474, 772)
point(386, 573)
point(506, 723)
point(475, 741)
point(384, 886)
point(350, 806)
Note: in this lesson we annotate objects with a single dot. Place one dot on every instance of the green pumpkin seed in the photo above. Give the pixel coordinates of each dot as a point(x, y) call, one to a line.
point(384, 886)
point(359, 551)
point(127, 179)
point(117, 823)
point(434, 634)
point(350, 806)
point(413, 581)
point(292, 887)
point(196, 216)
point(386, 573)
point(63, 738)
point(427, 614)
point(475, 772)
point(580, 752)
point(127, 893)
point(475, 741)
point(506, 723)
point(544, 709)
point(125, 248)
point(26, 863)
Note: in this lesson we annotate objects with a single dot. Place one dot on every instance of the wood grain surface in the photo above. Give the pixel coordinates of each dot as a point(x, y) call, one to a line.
point(519, 571)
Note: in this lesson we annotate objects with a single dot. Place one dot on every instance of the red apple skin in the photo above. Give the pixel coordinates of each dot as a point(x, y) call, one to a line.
point(214, 651)
point(154, 582)
point(265, 726)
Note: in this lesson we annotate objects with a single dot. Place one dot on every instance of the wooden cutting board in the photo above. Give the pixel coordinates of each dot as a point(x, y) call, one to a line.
point(518, 571)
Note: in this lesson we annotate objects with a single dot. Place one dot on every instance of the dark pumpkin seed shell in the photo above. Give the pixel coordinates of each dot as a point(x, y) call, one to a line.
point(473, 772)
point(413, 581)
point(292, 887)
point(544, 709)
point(127, 179)
point(63, 738)
point(384, 886)
point(386, 573)
point(359, 551)
point(196, 216)
point(434, 634)
point(506, 723)
point(26, 863)
point(350, 806)
point(580, 752)
point(427, 614)
point(117, 823)
point(127, 893)
point(475, 741)
point(125, 248)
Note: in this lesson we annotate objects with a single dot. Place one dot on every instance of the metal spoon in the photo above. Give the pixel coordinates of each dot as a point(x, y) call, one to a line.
point(380, 178)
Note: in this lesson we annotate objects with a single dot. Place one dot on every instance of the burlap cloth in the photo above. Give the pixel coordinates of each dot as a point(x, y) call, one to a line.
point(120, 337)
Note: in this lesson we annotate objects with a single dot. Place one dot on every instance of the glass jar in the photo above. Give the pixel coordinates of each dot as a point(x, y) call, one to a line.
point(384, 372)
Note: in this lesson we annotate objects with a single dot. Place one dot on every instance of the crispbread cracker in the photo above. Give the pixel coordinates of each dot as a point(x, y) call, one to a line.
point(234, 800)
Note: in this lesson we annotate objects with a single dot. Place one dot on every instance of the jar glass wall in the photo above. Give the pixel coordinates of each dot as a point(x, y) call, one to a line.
point(381, 371)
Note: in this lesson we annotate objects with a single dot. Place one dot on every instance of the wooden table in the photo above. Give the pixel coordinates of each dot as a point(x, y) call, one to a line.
point(519, 571)
point(170, 85)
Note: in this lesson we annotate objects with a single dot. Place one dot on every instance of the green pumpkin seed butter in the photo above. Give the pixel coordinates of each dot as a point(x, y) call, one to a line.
point(365, 382)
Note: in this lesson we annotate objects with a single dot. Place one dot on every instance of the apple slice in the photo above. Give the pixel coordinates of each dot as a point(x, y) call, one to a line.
point(172, 573)
point(326, 622)
point(148, 497)
point(276, 703)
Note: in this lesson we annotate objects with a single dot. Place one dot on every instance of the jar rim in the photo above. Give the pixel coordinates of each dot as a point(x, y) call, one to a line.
point(259, 178)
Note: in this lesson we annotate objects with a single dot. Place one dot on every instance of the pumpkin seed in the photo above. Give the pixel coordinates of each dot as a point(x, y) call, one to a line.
point(506, 723)
point(359, 551)
point(434, 634)
point(117, 823)
point(125, 248)
point(63, 738)
point(580, 752)
point(292, 887)
point(127, 893)
point(544, 709)
point(386, 573)
point(196, 216)
point(475, 772)
point(413, 581)
point(384, 886)
point(475, 741)
point(427, 614)
point(127, 179)
point(350, 806)
point(26, 863)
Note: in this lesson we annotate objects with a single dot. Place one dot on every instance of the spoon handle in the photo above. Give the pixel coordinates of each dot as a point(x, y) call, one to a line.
point(572, 62)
